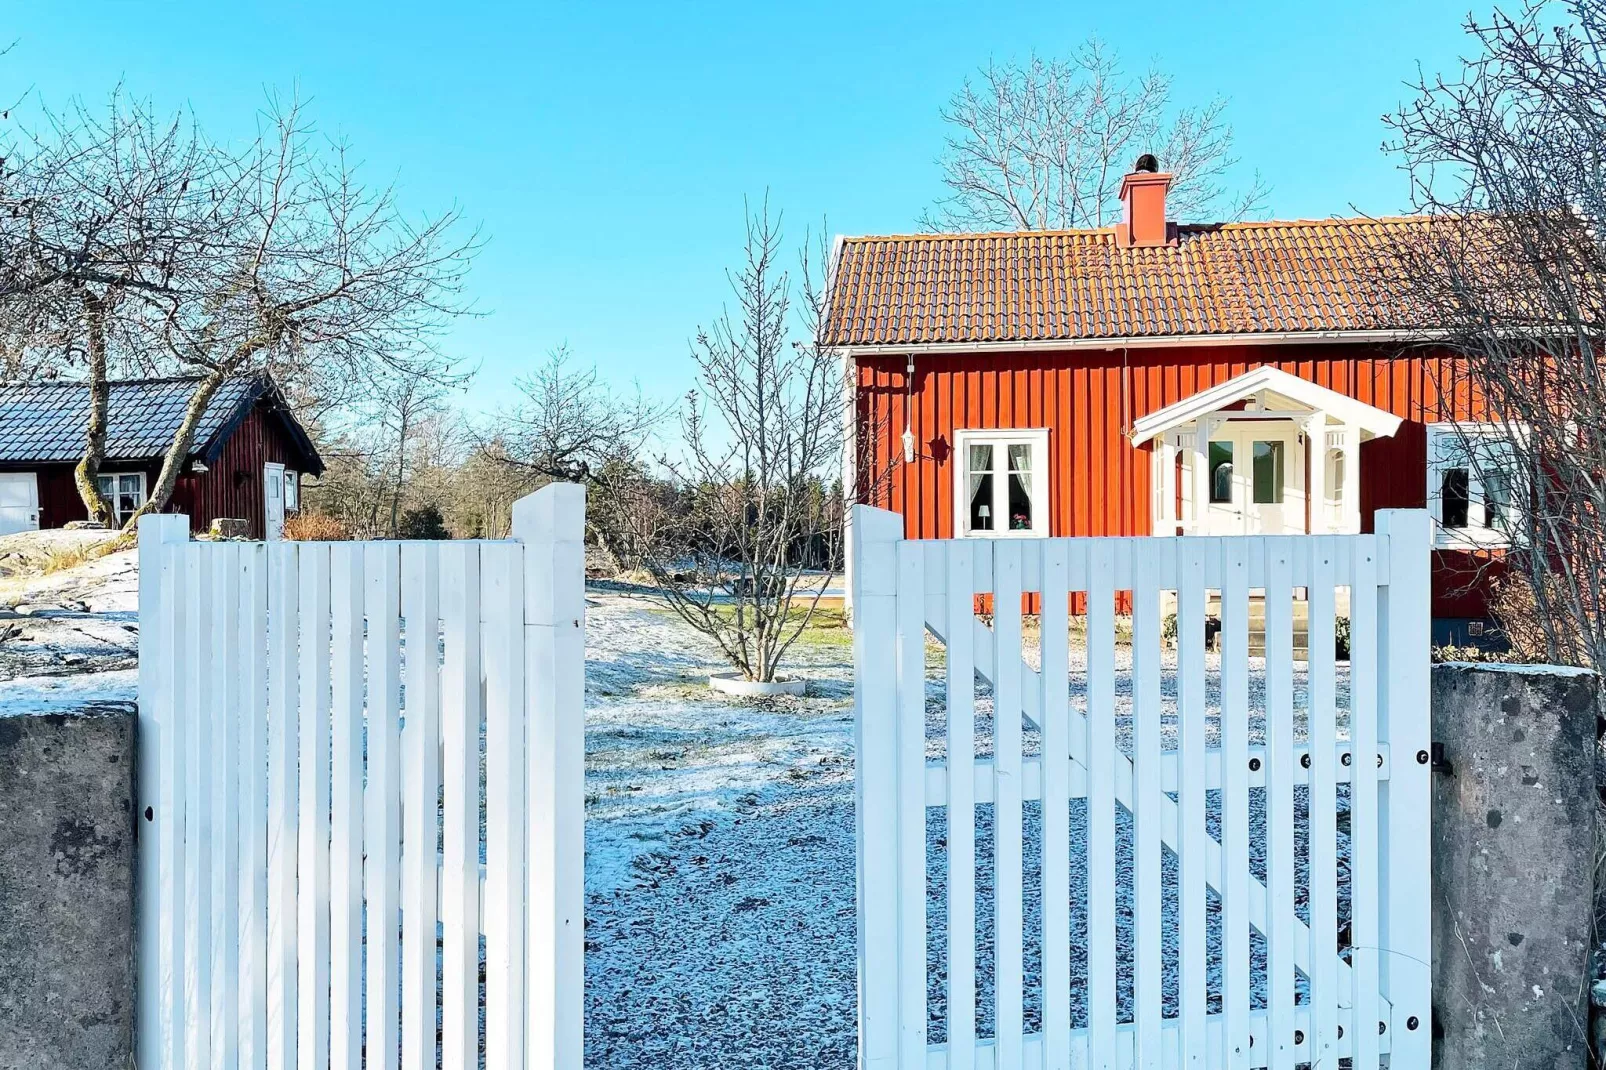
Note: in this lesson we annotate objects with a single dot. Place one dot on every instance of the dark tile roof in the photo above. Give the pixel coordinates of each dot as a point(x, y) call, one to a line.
point(44, 421)
point(1237, 278)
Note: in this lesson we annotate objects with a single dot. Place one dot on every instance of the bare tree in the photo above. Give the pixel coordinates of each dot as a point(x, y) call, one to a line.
point(101, 215)
point(762, 434)
point(570, 425)
point(1506, 155)
point(309, 275)
point(1042, 145)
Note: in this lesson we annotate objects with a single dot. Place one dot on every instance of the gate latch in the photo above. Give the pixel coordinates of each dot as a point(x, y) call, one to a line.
point(1440, 763)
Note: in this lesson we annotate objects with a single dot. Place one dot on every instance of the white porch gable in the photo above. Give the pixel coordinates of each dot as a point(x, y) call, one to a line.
point(1269, 385)
point(1317, 489)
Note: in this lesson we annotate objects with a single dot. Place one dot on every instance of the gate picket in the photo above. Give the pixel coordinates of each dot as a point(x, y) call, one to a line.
point(421, 742)
point(1101, 803)
point(1056, 806)
point(1365, 929)
point(1081, 758)
point(1191, 801)
point(1280, 800)
point(1146, 746)
point(347, 684)
point(1323, 898)
point(287, 918)
point(1007, 968)
point(1234, 885)
point(961, 712)
point(312, 919)
point(284, 590)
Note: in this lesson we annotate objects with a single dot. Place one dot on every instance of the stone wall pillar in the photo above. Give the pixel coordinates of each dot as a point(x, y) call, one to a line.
point(67, 889)
point(1513, 860)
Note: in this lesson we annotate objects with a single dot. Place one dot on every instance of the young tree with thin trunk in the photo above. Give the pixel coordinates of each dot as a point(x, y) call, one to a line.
point(1042, 144)
point(762, 436)
point(1506, 155)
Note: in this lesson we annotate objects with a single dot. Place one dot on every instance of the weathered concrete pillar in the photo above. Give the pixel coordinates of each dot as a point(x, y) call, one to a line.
point(67, 889)
point(1513, 861)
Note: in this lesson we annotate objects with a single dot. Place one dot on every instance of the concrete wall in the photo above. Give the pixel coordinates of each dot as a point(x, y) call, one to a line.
point(1513, 854)
point(67, 890)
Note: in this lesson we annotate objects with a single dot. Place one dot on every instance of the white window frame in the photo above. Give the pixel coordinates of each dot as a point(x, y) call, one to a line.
point(1473, 536)
point(118, 516)
point(1000, 440)
point(292, 491)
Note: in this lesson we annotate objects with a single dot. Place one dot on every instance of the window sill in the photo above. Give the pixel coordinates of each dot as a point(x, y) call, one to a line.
point(1470, 539)
point(1003, 535)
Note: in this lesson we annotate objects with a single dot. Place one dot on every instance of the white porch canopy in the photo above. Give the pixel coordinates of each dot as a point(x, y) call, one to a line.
point(1325, 480)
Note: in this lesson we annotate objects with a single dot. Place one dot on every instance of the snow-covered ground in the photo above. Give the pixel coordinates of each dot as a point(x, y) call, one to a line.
point(65, 636)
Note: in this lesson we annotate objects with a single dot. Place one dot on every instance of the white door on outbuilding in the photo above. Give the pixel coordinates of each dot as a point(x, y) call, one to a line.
point(273, 491)
point(19, 502)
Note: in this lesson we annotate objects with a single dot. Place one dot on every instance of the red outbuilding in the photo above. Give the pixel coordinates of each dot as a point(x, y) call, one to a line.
point(246, 464)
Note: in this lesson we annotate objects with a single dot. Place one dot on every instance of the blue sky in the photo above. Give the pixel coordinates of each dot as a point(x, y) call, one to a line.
point(606, 148)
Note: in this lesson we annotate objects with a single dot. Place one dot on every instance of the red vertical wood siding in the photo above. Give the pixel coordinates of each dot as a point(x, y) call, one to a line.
point(1099, 483)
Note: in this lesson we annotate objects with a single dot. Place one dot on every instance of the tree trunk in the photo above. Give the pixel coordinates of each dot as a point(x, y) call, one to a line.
point(87, 474)
point(179, 452)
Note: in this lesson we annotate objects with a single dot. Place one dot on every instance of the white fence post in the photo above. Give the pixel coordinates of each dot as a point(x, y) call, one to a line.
point(551, 524)
point(875, 627)
point(1404, 644)
point(155, 530)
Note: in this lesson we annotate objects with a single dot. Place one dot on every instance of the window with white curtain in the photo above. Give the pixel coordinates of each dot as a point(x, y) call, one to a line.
point(1474, 486)
point(1001, 486)
point(125, 491)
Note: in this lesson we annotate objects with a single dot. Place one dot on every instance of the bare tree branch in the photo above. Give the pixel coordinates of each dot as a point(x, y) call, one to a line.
point(1042, 145)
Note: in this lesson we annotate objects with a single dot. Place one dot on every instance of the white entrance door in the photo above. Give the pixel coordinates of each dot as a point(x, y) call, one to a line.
point(19, 502)
point(273, 499)
point(1256, 479)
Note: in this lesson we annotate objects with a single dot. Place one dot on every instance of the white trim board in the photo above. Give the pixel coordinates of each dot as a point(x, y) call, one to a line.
point(1347, 410)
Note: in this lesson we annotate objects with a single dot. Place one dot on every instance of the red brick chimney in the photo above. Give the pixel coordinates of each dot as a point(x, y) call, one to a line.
point(1143, 221)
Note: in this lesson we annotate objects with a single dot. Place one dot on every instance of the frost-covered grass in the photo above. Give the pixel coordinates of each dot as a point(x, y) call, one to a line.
point(720, 844)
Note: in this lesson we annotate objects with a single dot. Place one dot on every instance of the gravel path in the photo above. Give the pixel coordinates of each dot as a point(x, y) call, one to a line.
point(720, 855)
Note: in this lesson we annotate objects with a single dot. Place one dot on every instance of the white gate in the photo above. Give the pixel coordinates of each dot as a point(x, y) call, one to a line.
point(314, 887)
point(1168, 889)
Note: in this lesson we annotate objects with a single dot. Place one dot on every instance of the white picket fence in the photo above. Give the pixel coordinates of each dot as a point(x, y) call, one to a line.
point(1369, 1006)
point(313, 722)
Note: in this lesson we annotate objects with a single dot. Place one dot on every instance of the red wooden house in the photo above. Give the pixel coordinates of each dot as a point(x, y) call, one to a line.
point(1156, 377)
point(249, 454)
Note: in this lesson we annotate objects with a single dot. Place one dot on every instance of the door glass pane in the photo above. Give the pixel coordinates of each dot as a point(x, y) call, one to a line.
point(1268, 463)
point(1220, 473)
point(1454, 497)
point(981, 488)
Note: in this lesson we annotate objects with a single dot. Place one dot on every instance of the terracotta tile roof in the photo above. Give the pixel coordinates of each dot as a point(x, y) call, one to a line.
point(1232, 278)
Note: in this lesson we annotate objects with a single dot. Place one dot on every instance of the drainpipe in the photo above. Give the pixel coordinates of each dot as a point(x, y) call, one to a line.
point(908, 405)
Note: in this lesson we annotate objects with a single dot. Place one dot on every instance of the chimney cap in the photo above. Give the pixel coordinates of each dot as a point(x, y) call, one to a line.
point(1147, 162)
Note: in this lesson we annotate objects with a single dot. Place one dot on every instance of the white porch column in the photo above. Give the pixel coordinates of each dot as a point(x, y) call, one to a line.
point(1200, 489)
point(1350, 437)
point(1166, 508)
point(1315, 429)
